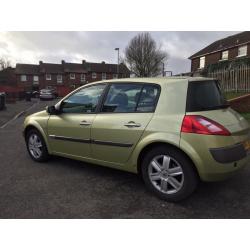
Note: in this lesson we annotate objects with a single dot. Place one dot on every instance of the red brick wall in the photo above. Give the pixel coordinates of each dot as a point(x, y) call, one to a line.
point(241, 104)
point(215, 57)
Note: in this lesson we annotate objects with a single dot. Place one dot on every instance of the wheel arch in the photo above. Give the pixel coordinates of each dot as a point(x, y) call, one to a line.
point(149, 146)
point(39, 129)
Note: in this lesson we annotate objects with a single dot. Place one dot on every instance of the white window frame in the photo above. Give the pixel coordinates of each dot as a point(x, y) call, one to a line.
point(48, 77)
point(72, 76)
point(94, 75)
point(115, 76)
point(202, 62)
point(35, 78)
point(244, 49)
point(59, 78)
point(224, 55)
point(23, 78)
point(83, 77)
point(104, 76)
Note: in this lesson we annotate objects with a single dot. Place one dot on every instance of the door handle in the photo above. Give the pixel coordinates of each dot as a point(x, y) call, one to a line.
point(85, 123)
point(132, 124)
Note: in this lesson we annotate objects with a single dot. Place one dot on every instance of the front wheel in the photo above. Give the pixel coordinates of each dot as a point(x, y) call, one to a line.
point(169, 173)
point(36, 146)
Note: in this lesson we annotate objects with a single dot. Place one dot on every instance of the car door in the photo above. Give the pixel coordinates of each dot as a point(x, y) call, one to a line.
point(124, 115)
point(69, 131)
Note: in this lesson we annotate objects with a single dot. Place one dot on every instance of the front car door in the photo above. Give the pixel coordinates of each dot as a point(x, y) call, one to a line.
point(124, 115)
point(69, 131)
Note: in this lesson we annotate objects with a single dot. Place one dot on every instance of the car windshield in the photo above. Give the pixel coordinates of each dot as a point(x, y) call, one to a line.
point(205, 95)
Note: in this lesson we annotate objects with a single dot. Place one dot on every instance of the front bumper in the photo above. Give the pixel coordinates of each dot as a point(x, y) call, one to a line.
point(46, 97)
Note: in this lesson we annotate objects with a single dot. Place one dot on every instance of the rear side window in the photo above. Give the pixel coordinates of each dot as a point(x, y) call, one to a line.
point(148, 98)
point(204, 95)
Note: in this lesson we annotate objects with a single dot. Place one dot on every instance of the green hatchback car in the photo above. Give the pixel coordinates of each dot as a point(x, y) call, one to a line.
point(172, 131)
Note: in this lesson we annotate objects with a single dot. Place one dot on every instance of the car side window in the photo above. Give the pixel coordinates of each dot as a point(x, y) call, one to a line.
point(83, 101)
point(148, 98)
point(122, 98)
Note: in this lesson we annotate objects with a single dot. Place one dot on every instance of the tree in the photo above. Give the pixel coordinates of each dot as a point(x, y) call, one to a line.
point(4, 63)
point(144, 57)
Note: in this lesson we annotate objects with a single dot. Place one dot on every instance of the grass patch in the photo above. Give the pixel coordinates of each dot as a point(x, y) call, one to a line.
point(231, 95)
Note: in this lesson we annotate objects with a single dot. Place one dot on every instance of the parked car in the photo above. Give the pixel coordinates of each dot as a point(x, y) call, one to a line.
point(35, 94)
point(54, 91)
point(171, 131)
point(47, 94)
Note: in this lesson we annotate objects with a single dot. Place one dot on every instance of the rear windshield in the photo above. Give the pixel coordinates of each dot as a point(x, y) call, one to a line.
point(205, 95)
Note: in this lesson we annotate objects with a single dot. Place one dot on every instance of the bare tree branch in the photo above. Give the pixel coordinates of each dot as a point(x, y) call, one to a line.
point(143, 56)
point(4, 63)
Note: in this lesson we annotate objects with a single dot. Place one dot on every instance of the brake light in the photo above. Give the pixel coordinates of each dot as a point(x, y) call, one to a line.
point(198, 124)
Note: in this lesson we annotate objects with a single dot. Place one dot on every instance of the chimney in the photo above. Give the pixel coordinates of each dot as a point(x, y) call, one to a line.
point(63, 61)
point(83, 61)
point(40, 62)
point(103, 62)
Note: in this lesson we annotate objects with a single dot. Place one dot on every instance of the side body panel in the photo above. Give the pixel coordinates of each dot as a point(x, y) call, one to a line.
point(67, 136)
point(166, 122)
point(112, 140)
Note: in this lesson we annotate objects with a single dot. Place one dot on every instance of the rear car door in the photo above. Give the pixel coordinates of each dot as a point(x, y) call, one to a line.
point(69, 131)
point(124, 115)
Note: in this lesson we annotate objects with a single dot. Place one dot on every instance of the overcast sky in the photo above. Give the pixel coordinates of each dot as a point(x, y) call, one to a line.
point(31, 47)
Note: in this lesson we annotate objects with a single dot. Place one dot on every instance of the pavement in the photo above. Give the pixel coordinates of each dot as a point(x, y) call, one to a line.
point(63, 188)
point(13, 109)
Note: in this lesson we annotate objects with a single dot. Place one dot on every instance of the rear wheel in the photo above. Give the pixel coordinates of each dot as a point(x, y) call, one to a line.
point(36, 146)
point(169, 173)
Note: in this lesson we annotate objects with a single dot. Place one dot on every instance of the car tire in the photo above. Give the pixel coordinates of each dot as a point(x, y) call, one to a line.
point(36, 146)
point(168, 173)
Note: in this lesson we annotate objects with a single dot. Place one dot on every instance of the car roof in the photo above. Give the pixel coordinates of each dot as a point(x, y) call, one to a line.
point(157, 80)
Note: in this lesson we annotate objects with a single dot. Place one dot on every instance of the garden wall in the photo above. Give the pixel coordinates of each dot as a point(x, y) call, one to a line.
point(241, 103)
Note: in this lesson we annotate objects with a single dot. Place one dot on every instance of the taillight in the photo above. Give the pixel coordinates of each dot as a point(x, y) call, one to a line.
point(198, 124)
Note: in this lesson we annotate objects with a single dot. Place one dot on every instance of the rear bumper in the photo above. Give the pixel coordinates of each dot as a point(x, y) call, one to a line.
point(228, 154)
point(215, 158)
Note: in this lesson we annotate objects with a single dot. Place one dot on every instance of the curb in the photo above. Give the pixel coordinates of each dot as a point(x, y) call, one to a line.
point(18, 115)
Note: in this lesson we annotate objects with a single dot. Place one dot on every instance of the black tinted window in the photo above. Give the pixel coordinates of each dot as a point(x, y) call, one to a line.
point(148, 98)
point(83, 101)
point(204, 95)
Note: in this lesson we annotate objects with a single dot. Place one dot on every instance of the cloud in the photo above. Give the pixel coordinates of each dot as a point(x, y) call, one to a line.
point(48, 46)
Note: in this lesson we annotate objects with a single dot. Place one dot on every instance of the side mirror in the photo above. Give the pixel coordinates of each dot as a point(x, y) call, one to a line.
point(51, 110)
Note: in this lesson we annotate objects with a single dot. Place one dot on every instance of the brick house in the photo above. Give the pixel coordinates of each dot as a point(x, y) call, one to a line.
point(65, 76)
point(231, 48)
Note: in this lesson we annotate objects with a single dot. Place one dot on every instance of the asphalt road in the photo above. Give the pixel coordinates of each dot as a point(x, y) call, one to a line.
point(63, 188)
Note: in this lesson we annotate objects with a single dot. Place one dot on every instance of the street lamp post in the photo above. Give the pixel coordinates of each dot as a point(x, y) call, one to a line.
point(117, 62)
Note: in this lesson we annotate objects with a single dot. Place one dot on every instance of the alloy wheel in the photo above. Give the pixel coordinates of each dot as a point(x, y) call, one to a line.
point(35, 146)
point(166, 174)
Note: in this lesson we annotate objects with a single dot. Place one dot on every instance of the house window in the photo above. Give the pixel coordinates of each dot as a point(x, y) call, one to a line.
point(35, 78)
point(72, 76)
point(103, 76)
point(224, 55)
point(48, 77)
point(242, 51)
point(94, 75)
point(83, 77)
point(23, 78)
point(202, 62)
point(115, 76)
point(59, 78)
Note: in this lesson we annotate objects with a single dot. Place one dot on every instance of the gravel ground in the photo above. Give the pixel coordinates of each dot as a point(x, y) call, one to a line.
point(63, 188)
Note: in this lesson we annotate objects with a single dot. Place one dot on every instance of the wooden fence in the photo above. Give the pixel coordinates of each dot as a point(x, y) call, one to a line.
point(237, 79)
